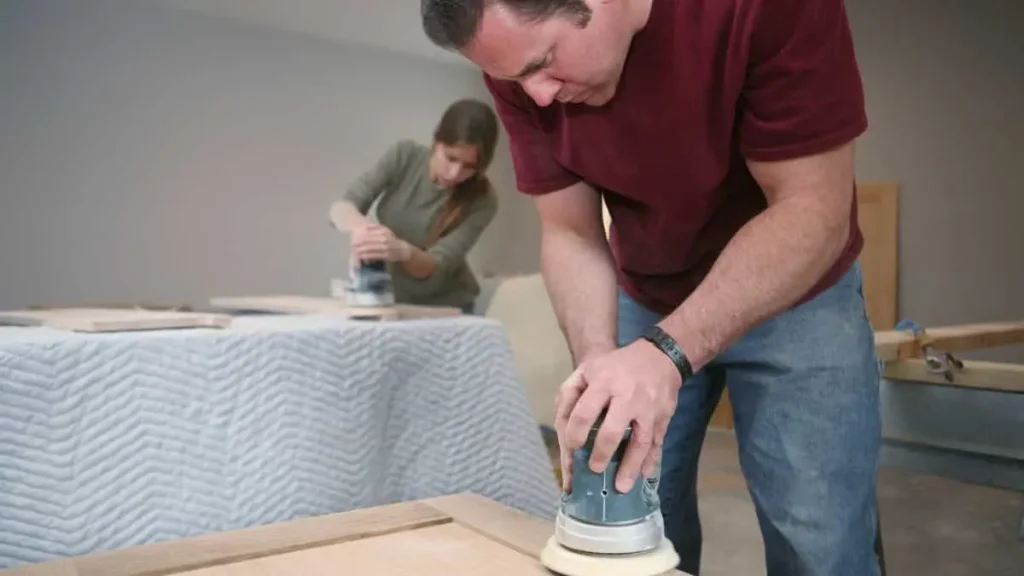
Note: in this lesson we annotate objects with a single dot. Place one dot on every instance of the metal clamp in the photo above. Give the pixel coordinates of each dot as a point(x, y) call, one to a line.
point(935, 361)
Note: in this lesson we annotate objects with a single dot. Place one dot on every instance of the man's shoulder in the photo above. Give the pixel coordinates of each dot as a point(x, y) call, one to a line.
point(508, 93)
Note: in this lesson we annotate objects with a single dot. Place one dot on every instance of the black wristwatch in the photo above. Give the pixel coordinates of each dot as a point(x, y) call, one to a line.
point(667, 344)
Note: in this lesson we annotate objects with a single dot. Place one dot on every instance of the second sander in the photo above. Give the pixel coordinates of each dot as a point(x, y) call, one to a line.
point(369, 293)
point(600, 531)
point(370, 286)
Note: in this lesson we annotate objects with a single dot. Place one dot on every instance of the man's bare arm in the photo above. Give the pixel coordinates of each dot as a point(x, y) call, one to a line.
point(578, 269)
point(775, 258)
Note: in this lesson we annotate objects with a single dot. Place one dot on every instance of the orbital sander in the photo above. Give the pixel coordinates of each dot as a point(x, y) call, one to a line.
point(600, 531)
point(368, 293)
point(369, 285)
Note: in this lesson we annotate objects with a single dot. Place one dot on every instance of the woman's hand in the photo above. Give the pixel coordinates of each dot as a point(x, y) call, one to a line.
point(376, 242)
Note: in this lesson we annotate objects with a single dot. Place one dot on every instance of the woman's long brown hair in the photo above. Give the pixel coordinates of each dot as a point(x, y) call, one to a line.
point(465, 122)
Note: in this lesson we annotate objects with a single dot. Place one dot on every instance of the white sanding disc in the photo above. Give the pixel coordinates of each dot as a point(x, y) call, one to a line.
point(566, 562)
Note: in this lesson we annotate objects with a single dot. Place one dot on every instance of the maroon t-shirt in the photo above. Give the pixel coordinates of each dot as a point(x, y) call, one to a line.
point(707, 83)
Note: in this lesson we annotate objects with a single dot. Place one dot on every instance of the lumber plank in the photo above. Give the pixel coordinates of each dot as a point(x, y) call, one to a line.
point(113, 319)
point(220, 548)
point(281, 304)
point(878, 215)
point(901, 344)
point(287, 304)
point(510, 527)
point(444, 550)
point(998, 376)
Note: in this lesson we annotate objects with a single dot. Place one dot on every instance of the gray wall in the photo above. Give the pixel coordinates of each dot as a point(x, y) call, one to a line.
point(945, 83)
point(160, 155)
point(151, 153)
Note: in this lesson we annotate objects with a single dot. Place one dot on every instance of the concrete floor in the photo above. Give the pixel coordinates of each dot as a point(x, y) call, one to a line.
point(930, 526)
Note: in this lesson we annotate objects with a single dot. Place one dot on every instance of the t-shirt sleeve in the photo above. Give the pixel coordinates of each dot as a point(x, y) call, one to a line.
point(536, 170)
point(803, 92)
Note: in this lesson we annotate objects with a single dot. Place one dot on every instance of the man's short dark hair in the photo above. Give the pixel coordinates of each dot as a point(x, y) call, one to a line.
point(451, 24)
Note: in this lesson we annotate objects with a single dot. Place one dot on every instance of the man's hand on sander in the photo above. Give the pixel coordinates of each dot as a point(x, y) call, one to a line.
point(639, 385)
point(376, 242)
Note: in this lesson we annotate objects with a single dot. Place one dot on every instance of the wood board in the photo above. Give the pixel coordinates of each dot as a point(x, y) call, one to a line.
point(113, 319)
point(878, 214)
point(461, 535)
point(977, 374)
point(289, 304)
point(901, 344)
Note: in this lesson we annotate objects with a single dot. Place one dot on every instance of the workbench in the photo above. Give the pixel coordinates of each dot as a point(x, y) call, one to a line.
point(460, 535)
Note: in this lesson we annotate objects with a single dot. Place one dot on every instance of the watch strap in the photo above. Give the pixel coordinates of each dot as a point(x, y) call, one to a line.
point(668, 345)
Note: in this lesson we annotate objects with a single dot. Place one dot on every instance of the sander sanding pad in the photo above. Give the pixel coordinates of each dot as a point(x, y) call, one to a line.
point(565, 562)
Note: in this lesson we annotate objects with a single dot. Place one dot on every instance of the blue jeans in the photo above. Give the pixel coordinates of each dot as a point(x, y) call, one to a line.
point(804, 390)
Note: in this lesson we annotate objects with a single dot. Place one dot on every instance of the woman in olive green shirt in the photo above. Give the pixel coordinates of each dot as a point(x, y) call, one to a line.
point(433, 202)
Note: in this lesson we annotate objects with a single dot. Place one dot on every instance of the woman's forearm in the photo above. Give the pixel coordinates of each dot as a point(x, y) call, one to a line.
point(345, 216)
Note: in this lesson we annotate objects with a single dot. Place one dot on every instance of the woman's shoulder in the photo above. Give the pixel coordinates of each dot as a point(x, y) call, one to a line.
point(409, 149)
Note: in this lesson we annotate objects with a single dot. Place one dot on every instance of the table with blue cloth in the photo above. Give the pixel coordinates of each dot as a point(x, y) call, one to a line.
point(120, 439)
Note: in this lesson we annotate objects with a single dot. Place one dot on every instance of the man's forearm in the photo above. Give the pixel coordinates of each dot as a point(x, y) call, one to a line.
point(580, 279)
point(767, 267)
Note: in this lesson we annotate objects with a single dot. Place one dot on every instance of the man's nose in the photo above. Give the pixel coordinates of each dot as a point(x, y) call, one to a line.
point(542, 89)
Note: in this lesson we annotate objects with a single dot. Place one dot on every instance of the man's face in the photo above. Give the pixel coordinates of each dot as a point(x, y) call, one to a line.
point(556, 58)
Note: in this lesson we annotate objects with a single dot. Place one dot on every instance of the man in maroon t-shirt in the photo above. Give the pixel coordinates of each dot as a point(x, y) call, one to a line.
point(719, 133)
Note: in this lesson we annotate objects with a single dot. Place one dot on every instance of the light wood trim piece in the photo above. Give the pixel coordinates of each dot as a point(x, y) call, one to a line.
point(901, 344)
point(878, 216)
point(113, 320)
point(281, 304)
point(220, 548)
point(999, 376)
point(287, 304)
point(414, 312)
point(509, 527)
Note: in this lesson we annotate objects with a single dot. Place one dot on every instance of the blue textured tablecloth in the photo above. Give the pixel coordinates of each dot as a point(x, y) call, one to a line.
point(115, 440)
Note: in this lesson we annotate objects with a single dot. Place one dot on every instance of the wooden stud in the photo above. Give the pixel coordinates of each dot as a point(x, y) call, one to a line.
point(220, 548)
point(900, 344)
point(287, 304)
point(113, 320)
point(977, 374)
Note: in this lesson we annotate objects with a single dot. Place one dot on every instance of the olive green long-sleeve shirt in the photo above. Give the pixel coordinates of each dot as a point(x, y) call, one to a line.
point(408, 204)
